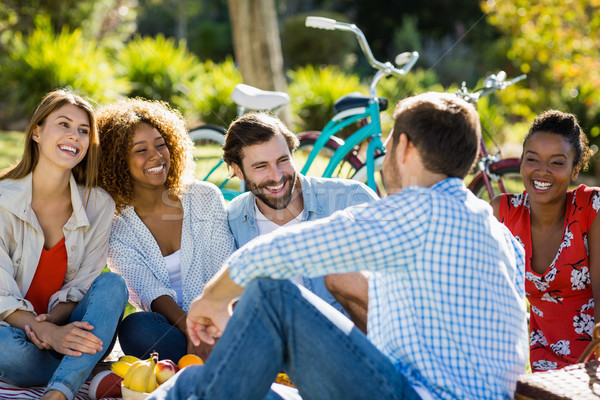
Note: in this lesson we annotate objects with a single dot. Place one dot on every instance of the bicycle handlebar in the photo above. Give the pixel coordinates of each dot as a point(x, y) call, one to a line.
point(490, 84)
point(406, 60)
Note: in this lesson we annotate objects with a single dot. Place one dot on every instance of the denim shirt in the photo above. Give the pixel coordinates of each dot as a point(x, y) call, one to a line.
point(322, 197)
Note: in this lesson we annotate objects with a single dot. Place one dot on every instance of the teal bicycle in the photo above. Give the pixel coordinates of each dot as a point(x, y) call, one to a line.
point(347, 158)
point(343, 159)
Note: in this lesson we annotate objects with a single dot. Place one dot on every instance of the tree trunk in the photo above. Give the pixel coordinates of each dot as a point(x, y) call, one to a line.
point(257, 45)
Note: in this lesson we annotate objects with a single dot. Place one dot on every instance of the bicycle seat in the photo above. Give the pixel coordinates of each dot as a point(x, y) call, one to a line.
point(253, 98)
point(355, 99)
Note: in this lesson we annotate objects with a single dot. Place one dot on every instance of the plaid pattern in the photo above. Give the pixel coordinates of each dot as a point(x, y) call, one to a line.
point(446, 296)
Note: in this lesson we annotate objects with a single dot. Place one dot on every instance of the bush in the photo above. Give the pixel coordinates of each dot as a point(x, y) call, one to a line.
point(44, 61)
point(213, 104)
point(314, 90)
point(161, 69)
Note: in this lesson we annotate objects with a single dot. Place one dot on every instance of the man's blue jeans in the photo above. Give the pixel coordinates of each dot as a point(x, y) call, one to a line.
point(278, 325)
point(23, 364)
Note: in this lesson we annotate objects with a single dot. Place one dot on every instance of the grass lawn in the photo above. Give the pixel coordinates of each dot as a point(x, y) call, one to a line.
point(11, 147)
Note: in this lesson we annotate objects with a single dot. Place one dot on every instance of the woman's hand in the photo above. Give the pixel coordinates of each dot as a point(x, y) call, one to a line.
point(34, 339)
point(74, 339)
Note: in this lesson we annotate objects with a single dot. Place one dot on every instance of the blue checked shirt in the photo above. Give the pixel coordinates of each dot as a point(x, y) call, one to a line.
point(446, 294)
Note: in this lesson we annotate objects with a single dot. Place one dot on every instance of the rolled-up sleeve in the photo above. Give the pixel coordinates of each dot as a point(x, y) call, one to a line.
point(11, 298)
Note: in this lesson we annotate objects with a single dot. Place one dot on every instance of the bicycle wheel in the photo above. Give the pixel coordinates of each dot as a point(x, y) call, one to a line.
point(208, 143)
point(346, 169)
point(361, 175)
point(509, 179)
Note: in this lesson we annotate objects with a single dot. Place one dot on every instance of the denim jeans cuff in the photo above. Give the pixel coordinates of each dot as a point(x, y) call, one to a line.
point(61, 387)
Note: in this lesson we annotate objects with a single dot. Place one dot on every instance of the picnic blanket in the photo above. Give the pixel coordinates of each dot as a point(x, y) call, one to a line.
point(10, 392)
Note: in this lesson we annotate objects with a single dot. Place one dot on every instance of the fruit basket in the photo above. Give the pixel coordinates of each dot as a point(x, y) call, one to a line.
point(129, 394)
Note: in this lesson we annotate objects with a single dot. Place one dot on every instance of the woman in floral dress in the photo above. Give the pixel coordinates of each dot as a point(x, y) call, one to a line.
point(562, 242)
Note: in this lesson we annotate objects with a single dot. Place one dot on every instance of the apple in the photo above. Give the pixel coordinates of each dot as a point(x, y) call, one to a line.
point(164, 369)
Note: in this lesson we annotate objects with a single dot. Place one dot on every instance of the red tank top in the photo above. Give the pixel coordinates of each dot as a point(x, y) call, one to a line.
point(49, 276)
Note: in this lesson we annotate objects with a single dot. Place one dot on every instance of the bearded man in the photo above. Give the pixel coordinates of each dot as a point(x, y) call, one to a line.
point(259, 147)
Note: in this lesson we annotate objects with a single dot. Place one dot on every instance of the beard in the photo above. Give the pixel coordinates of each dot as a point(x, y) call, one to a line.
point(276, 203)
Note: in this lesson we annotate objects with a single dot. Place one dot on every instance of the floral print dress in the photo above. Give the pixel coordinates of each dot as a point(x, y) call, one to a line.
point(561, 302)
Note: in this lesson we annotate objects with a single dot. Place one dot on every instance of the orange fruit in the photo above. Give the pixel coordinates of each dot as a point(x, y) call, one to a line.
point(189, 359)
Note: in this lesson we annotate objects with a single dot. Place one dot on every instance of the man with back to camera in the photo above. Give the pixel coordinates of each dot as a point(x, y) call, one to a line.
point(447, 315)
point(259, 147)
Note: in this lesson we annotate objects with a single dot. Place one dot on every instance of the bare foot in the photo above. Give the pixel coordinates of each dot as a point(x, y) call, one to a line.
point(53, 395)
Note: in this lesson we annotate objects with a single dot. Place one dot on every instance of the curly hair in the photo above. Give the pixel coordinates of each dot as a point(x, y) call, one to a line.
point(565, 125)
point(117, 123)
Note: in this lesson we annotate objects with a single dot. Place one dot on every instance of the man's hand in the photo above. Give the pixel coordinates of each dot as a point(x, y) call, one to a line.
point(209, 313)
point(206, 320)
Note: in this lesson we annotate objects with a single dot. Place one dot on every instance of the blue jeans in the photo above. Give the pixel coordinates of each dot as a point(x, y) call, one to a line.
point(278, 325)
point(142, 332)
point(23, 364)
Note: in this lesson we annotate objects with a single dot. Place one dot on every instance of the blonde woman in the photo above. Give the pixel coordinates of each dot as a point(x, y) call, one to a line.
point(58, 314)
point(170, 235)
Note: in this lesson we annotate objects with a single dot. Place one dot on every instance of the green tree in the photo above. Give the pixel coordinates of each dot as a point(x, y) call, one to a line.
point(204, 24)
point(98, 19)
point(556, 42)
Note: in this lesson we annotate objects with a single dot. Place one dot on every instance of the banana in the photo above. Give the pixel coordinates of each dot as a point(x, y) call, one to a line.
point(141, 377)
point(120, 368)
point(129, 359)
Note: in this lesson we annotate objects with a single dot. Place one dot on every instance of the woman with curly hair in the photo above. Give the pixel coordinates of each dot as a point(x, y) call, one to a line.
point(58, 313)
point(561, 237)
point(170, 234)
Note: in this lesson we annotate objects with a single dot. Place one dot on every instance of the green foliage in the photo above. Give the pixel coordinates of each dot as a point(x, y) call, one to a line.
point(204, 23)
point(99, 19)
point(11, 148)
point(213, 104)
point(558, 46)
point(210, 39)
point(302, 45)
point(161, 69)
point(396, 88)
point(313, 91)
point(44, 61)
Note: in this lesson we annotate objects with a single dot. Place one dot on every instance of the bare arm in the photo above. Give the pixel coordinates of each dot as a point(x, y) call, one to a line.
point(351, 289)
point(495, 203)
point(209, 313)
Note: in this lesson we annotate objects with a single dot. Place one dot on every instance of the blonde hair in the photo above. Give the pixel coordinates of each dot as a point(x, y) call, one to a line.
point(86, 172)
point(117, 124)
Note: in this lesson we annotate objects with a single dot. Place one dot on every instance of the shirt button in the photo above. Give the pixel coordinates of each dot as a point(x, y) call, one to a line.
point(71, 271)
point(73, 248)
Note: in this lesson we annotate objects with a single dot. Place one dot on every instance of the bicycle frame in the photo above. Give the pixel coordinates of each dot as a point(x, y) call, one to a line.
point(340, 121)
point(372, 130)
point(488, 163)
